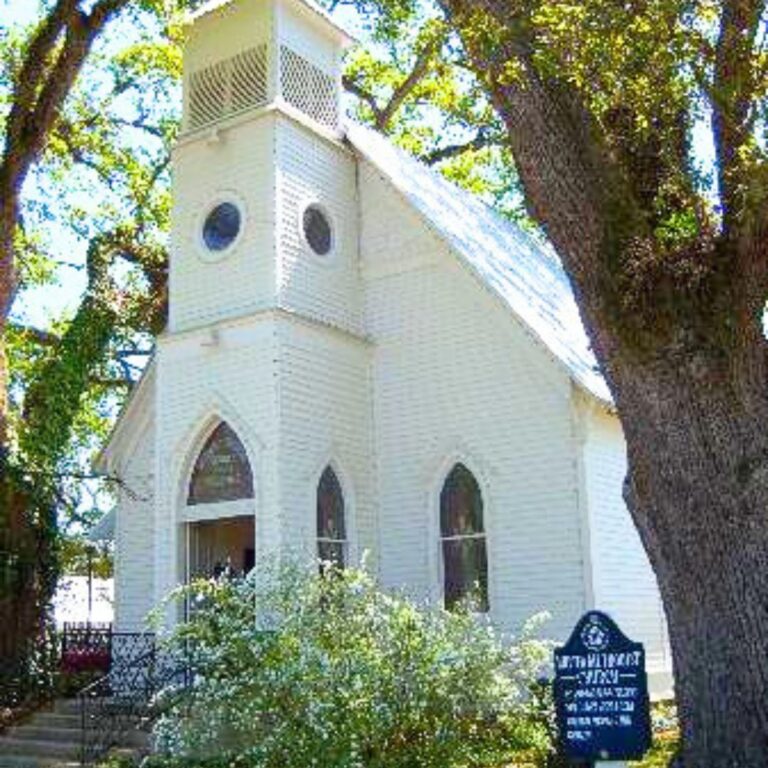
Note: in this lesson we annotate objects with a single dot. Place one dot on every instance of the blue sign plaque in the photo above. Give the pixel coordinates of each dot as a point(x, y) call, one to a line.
point(601, 693)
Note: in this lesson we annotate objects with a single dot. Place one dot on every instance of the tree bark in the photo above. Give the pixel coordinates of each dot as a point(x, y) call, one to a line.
point(28, 582)
point(680, 341)
point(697, 489)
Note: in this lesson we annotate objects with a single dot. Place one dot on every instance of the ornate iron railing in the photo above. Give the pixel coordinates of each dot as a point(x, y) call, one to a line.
point(120, 703)
point(100, 642)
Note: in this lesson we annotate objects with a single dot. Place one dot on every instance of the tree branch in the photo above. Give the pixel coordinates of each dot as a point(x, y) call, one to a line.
point(108, 383)
point(382, 115)
point(141, 125)
point(34, 66)
point(356, 89)
point(415, 76)
point(733, 89)
point(134, 353)
point(480, 141)
point(42, 337)
point(112, 479)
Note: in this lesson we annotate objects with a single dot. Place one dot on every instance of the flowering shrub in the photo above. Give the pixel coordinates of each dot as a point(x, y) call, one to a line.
point(298, 669)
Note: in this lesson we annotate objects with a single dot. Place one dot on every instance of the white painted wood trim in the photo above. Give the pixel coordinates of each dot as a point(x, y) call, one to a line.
point(221, 510)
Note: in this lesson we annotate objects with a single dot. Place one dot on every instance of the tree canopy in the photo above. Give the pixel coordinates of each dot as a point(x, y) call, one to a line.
point(85, 204)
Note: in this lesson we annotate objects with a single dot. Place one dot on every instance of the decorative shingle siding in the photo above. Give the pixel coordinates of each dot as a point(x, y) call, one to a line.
point(325, 416)
point(624, 583)
point(457, 378)
point(311, 169)
point(201, 290)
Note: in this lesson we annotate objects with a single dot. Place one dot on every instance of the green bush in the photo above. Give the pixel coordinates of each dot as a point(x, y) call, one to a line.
point(298, 669)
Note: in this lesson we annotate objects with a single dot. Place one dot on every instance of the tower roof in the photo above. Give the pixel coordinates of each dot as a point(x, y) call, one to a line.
point(344, 38)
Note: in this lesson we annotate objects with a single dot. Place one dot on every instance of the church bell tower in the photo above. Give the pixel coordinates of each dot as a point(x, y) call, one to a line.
point(265, 341)
point(247, 64)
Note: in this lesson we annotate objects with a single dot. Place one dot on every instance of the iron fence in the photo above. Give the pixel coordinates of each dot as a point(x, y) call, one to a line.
point(99, 647)
point(124, 700)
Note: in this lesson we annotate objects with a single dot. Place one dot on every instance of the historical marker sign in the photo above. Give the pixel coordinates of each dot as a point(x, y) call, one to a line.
point(601, 693)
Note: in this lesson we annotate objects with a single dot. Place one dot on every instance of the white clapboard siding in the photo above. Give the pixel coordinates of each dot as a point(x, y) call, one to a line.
point(456, 377)
point(238, 165)
point(325, 418)
point(311, 169)
point(204, 377)
point(134, 524)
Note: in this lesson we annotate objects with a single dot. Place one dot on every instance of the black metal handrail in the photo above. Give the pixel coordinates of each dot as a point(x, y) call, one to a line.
point(121, 702)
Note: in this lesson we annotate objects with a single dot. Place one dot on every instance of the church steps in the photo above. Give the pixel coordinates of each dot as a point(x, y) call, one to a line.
point(52, 739)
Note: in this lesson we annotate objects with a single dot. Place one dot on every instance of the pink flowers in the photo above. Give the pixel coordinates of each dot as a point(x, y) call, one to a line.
point(76, 660)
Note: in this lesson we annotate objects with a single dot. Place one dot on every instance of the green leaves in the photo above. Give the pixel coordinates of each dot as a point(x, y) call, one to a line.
point(413, 84)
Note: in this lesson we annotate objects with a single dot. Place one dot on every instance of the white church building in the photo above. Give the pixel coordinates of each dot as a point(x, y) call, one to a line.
point(361, 357)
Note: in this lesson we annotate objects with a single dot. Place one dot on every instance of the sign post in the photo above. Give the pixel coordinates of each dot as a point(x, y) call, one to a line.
point(601, 693)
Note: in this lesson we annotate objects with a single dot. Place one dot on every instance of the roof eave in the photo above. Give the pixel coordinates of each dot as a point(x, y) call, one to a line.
point(124, 423)
point(344, 38)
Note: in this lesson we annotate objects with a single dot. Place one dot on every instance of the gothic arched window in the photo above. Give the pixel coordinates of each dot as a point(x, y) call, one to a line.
point(222, 471)
point(462, 540)
point(331, 529)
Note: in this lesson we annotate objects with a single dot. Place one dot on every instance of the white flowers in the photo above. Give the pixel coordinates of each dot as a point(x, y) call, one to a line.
point(301, 669)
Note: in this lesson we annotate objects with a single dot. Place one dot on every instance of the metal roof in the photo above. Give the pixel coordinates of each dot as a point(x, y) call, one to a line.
point(104, 529)
point(527, 276)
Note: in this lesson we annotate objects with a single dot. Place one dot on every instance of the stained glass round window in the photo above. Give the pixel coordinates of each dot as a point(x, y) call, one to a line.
point(221, 227)
point(317, 230)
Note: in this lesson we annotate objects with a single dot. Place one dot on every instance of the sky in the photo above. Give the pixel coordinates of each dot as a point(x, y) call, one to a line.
point(17, 10)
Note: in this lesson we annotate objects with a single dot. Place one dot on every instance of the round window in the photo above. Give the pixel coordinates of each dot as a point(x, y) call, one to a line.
point(317, 230)
point(221, 227)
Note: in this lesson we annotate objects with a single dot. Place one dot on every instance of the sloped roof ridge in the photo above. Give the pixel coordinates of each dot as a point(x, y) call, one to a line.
point(526, 275)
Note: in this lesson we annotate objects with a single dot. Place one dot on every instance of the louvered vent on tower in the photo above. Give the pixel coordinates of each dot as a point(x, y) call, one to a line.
point(228, 87)
point(308, 88)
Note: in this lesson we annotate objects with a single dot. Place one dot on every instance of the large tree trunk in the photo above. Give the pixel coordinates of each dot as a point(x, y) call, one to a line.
point(698, 491)
point(678, 334)
point(27, 579)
